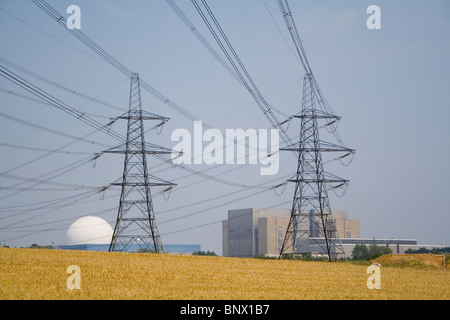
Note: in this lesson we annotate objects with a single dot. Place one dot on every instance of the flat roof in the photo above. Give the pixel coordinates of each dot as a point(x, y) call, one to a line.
point(378, 241)
point(373, 241)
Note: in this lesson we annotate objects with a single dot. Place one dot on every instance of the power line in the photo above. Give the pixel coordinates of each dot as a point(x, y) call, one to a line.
point(240, 69)
point(98, 126)
point(119, 66)
point(14, 146)
point(62, 87)
point(56, 173)
point(81, 116)
point(279, 30)
point(40, 205)
point(210, 223)
point(59, 184)
point(39, 231)
point(208, 46)
point(202, 39)
point(194, 171)
point(110, 59)
point(50, 152)
point(10, 92)
point(48, 34)
point(322, 102)
point(52, 131)
point(217, 206)
point(28, 218)
point(14, 78)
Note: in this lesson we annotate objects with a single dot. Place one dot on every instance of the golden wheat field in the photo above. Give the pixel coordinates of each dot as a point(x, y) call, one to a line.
point(41, 274)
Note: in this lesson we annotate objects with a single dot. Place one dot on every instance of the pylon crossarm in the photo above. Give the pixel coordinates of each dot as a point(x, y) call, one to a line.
point(319, 181)
point(149, 148)
point(144, 184)
point(322, 146)
point(144, 115)
point(318, 114)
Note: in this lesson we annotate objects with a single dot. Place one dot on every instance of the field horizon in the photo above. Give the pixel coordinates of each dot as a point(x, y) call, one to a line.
point(42, 274)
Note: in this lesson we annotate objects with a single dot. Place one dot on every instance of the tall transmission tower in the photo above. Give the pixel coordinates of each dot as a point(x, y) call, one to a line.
point(311, 228)
point(136, 222)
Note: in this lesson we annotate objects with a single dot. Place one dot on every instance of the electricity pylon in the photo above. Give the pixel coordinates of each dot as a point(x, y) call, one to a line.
point(136, 217)
point(311, 228)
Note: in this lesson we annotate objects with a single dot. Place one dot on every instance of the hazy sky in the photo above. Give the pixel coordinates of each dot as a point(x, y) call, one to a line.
point(390, 86)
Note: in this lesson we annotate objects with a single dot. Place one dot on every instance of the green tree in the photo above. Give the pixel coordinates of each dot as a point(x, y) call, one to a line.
point(203, 253)
point(377, 251)
point(420, 250)
point(360, 252)
point(36, 246)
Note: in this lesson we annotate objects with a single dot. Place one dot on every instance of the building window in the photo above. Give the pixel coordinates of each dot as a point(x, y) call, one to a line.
point(349, 233)
point(280, 238)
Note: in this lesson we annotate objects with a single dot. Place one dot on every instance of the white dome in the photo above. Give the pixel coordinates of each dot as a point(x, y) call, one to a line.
point(89, 230)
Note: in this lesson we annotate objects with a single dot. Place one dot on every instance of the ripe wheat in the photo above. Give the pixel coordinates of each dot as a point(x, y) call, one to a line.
point(41, 274)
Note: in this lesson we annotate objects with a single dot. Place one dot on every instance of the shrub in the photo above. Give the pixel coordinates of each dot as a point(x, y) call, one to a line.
point(362, 252)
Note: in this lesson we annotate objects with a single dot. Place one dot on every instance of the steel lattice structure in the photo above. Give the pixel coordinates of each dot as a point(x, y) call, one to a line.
point(136, 218)
point(311, 228)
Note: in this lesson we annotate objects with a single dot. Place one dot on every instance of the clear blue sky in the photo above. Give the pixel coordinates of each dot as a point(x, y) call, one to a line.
point(390, 86)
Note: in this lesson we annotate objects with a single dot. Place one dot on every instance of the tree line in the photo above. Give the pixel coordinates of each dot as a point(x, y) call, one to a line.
point(362, 252)
point(445, 250)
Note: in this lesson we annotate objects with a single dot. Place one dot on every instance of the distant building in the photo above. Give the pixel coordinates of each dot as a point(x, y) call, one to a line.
point(168, 248)
point(89, 230)
point(94, 234)
point(249, 232)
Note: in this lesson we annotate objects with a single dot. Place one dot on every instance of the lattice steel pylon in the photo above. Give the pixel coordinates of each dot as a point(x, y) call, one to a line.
point(136, 222)
point(311, 228)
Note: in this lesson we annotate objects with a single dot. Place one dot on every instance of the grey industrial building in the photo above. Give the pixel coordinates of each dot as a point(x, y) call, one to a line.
point(250, 232)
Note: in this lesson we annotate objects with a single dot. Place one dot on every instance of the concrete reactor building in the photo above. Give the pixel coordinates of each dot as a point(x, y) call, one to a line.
point(89, 230)
point(94, 234)
point(250, 232)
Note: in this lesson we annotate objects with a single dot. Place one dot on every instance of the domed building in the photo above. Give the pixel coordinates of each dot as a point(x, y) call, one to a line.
point(89, 230)
point(95, 234)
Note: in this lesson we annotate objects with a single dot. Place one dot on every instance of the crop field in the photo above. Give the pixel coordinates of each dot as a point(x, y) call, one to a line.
point(42, 274)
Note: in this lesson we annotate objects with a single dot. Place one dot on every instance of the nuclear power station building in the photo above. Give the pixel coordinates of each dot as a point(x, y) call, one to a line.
point(250, 232)
point(95, 234)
